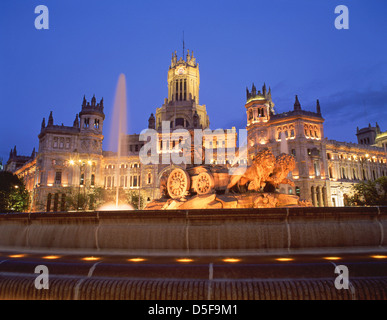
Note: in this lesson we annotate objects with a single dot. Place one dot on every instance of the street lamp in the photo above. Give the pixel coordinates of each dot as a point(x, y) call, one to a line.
point(79, 163)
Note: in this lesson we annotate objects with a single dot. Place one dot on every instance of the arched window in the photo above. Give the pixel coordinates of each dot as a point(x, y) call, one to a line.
point(179, 122)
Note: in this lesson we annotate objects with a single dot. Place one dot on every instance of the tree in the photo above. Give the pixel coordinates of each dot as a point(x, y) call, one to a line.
point(133, 198)
point(13, 195)
point(370, 193)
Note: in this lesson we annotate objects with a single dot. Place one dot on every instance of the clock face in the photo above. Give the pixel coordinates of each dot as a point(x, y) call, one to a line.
point(180, 70)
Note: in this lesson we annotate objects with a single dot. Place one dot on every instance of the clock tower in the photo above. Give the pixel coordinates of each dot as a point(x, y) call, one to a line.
point(182, 108)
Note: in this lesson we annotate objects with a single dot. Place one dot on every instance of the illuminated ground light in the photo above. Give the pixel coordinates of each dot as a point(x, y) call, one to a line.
point(17, 256)
point(51, 257)
point(91, 259)
point(136, 260)
point(332, 258)
point(184, 260)
point(379, 257)
point(284, 259)
point(231, 260)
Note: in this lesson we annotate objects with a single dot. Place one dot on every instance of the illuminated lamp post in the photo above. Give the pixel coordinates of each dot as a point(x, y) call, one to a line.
point(81, 164)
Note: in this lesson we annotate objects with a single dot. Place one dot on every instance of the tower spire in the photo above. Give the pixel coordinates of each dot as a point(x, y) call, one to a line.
point(183, 45)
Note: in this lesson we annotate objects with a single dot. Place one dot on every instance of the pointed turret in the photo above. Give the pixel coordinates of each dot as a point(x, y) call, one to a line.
point(84, 102)
point(43, 123)
point(50, 120)
point(318, 108)
point(76, 122)
point(93, 101)
point(264, 89)
point(14, 152)
point(152, 122)
point(253, 90)
point(297, 105)
point(33, 154)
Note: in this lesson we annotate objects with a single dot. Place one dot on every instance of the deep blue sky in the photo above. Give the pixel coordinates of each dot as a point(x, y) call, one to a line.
point(293, 46)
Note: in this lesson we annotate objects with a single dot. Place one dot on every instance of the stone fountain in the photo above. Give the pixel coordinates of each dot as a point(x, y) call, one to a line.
point(252, 187)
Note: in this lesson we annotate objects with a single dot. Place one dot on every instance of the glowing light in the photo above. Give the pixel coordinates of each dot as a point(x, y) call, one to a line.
point(91, 259)
point(184, 260)
point(89, 163)
point(136, 259)
point(379, 257)
point(72, 162)
point(284, 259)
point(17, 256)
point(231, 260)
point(332, 258)
point(51, 257)
point(49, 184)
point(113, 207)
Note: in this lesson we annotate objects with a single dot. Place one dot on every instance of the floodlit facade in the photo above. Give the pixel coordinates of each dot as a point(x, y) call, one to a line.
point(72, 157)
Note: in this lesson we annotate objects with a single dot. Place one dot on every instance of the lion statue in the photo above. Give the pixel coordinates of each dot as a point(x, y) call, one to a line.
point(284, 164)
point(257, 174)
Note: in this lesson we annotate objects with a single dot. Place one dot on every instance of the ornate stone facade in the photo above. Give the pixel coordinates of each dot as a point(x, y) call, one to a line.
point(72, 156)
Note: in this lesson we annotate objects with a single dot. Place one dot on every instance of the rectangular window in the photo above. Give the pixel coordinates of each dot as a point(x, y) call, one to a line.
point(58, 177)
point(316, 168)
point(134, 181)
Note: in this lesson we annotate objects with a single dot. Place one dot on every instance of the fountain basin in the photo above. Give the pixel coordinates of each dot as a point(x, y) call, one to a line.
point(197, 230)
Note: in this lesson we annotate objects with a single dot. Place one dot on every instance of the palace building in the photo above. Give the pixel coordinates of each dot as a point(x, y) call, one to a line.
point(72, 157)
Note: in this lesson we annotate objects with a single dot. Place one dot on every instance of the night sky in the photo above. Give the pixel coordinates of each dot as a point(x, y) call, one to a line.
point(293, 46)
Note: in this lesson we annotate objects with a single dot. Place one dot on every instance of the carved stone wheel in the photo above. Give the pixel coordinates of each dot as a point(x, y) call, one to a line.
point(178, 183)
point(204, 183)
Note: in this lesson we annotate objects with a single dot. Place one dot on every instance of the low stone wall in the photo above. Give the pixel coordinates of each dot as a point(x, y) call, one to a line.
point(190, 230)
